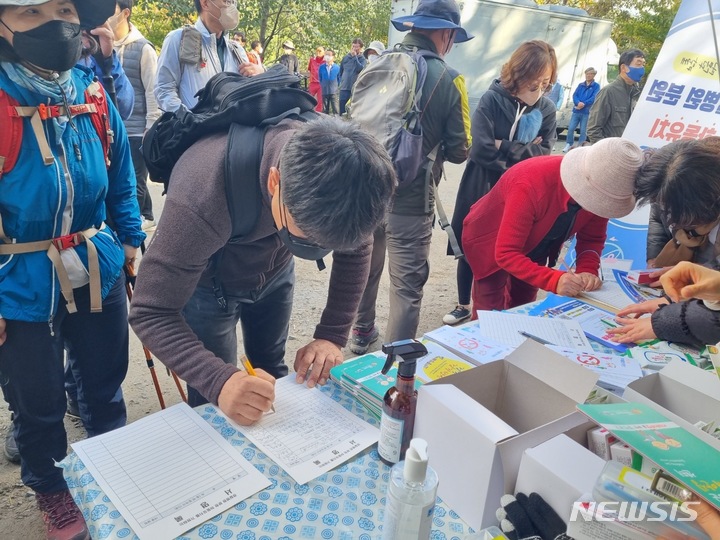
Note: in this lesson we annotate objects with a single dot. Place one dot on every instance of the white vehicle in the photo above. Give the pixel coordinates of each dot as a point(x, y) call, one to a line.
point(500, 26)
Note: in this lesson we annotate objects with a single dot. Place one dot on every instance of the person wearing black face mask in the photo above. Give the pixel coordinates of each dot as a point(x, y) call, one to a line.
point(323, 185)
point(66, 165)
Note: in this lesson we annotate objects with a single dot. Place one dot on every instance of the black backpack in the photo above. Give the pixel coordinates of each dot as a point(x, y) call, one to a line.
point(244, 107)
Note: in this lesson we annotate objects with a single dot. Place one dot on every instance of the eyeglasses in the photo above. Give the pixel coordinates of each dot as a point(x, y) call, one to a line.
point(692, 233)
point(542, 85)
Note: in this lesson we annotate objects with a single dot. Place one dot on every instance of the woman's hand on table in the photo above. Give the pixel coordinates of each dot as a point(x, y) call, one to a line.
point(636, 310)
point(632, 330)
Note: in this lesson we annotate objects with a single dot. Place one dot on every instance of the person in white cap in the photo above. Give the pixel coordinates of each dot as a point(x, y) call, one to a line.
point(61, 283)
point(512, 236)
point(288, 59)
point(374, 49)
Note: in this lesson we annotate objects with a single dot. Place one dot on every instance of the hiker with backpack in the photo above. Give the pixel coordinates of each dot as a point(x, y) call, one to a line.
point(65, 165)
point(436, 129)
point(191, 55)
point(232, 222)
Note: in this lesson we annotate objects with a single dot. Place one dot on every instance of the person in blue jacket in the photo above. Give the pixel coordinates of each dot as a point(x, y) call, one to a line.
point(103, 44)
point(329, 77)
point(583, 98)
point(61, 268)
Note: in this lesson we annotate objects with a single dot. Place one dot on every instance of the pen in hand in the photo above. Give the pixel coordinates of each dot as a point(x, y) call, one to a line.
point(247, 366)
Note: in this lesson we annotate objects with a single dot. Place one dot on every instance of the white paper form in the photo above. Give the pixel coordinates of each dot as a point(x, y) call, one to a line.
point(610, 294)
point(310, 433)
point(169, 472)
point(506, 328)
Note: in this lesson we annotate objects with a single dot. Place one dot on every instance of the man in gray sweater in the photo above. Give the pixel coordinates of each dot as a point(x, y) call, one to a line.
point(324, 186)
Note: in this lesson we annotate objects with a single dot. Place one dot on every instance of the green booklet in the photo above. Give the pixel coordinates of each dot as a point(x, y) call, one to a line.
point(690, 460)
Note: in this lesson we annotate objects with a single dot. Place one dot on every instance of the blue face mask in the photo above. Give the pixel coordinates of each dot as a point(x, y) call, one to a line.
point(636, 73)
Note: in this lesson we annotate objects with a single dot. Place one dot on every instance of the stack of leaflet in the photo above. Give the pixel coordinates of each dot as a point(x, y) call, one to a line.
point(618, 293)
point(363, 378)
point(616, 372)
point(467, 342)
point(655, 355)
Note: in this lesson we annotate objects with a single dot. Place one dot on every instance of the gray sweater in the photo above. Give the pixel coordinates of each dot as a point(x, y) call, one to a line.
point(195, 224)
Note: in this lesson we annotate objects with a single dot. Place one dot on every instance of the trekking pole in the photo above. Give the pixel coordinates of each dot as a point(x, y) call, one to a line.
point(129, 284)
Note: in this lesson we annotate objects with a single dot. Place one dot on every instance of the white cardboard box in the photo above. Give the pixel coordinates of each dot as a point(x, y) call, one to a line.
point(684, 393)
point(561, 470)
point(479, 423)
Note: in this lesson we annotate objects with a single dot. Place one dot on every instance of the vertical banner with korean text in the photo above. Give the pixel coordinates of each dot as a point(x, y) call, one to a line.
point(680, 100)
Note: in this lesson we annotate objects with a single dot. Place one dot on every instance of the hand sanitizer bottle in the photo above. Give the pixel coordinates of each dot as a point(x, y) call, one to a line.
point(410, 496)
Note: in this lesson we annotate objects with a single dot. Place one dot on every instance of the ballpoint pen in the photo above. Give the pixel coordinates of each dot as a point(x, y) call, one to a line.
point(245, 361)
point(534, 338)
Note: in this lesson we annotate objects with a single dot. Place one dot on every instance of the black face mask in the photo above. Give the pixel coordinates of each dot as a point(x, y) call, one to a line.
point(55, 45)
point(300, 247)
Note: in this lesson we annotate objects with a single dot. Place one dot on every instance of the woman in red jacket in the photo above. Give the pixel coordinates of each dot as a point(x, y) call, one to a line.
point(513, 235)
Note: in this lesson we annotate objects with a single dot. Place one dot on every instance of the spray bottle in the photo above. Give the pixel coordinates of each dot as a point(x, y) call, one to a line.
point(410, 496)
point(400, 401)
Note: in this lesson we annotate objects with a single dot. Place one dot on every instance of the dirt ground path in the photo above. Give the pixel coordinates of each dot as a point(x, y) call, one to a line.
point(19, 518)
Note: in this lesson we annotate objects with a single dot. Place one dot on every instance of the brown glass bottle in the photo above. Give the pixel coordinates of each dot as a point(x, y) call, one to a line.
point(398, 416)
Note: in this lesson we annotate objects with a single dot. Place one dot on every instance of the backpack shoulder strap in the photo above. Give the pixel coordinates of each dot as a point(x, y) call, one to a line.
point(10, 134)
point(95, 94)
point(243, 155)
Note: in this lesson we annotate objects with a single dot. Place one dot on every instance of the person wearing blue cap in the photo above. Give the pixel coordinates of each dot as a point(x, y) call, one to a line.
point(407, 229)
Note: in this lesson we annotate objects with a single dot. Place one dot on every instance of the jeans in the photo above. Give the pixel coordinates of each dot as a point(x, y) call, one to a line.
point(264, 315)
point(575, 120)
point(32, 380)
point(141, 174)
point(344, 98)
point(330, 104)
point(407, 241)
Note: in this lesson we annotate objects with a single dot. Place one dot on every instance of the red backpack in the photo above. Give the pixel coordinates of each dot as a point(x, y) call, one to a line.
point(12, 115)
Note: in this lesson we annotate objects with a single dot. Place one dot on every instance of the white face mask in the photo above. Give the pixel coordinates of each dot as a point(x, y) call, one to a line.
point(229, 16)
point(328, 58)
point(371, 57)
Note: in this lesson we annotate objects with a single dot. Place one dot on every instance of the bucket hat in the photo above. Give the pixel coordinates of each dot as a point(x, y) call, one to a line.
point(287, 44)
point(92, 13)
point(434, 15)
point(601, 177)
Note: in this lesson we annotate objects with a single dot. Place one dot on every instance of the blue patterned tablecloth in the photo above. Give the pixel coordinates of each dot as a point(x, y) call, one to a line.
point(347, 503)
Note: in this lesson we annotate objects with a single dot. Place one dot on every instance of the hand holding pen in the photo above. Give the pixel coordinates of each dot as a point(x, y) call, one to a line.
point(247, 366)
point(246, 398)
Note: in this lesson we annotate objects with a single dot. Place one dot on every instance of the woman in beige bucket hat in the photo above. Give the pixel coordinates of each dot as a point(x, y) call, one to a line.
point(513, 235)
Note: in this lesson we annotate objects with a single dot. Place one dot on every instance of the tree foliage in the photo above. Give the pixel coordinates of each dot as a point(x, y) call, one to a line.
point(307, 23)
point(637, 24)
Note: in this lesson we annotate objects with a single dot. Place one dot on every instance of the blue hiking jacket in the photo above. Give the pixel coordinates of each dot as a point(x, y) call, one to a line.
point(586, 94)
point(34, 196)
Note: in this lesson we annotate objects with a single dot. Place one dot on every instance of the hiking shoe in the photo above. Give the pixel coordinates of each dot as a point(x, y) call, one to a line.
point(361, 341)
point(73, 409)
point(62, 517)
point(11, 450)
point(459, 314)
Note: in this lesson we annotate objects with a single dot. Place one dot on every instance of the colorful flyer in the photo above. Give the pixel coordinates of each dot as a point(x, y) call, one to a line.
point(681, 454)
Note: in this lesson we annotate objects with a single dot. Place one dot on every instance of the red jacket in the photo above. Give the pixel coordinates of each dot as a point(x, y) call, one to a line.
point(313, 67)
point(507, 223)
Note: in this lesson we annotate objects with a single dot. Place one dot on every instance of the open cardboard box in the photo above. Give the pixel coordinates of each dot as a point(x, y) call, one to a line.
point(561, 470)
point(478, 423)
point(684, 393)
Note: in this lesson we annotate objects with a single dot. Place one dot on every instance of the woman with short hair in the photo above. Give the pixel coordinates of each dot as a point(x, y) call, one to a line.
point(512, 122)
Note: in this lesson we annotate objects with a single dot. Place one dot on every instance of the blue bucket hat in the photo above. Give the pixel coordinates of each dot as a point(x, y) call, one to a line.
point(434, 15)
